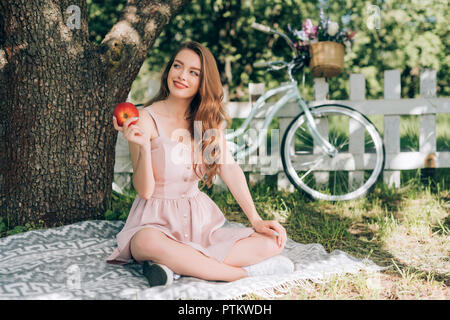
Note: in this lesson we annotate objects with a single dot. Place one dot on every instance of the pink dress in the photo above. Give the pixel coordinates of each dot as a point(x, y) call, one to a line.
point(177, 207)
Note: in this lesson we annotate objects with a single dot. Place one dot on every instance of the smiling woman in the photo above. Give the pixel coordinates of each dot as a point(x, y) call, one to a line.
point(186, 79)
point(173, 226)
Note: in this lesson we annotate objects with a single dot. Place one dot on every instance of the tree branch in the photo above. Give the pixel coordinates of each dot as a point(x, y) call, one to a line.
point(130, 39)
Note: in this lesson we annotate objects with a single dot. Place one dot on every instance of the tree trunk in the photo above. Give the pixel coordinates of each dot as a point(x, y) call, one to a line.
point(57, 93)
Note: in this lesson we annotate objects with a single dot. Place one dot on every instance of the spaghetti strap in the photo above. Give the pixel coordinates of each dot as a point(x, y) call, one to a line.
point(155, 119)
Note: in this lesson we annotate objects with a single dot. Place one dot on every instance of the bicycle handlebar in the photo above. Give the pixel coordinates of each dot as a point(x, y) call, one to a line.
point(266, 29)
point(261, 64)
point(293, 65)
point(261, 27)
point(271, 64)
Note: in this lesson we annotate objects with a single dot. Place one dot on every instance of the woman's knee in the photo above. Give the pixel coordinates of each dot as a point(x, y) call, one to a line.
point(269, 247)
point(147, 244)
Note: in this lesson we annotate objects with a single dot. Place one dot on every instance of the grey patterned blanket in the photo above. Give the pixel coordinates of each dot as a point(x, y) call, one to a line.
point(69, 263)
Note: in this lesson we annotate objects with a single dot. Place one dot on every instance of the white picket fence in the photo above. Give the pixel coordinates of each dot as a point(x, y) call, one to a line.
point(391, 107)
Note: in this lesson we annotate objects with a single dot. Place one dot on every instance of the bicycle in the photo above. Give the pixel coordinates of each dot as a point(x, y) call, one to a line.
point(310, 157)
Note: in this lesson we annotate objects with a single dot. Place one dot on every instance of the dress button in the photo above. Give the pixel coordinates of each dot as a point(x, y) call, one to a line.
point(182, 196)
point(185, 179)
point(188, 166)
point(185, 215)
point(185, 235)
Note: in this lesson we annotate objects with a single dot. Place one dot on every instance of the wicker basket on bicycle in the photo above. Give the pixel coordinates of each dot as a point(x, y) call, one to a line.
point(327, 59)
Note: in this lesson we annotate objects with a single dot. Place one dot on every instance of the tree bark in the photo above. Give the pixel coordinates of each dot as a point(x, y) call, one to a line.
point(57, 94)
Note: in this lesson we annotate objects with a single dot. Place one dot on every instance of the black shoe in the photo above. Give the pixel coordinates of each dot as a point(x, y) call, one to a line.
point(157, 274)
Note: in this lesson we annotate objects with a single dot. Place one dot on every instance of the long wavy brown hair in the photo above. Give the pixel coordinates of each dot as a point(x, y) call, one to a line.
point(207, 107)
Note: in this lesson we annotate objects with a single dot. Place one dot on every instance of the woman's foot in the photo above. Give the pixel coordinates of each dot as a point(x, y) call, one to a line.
point(158, 274)
point(275, 265)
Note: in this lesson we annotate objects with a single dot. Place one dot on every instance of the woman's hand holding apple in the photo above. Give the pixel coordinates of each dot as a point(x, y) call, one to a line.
point(133, 133)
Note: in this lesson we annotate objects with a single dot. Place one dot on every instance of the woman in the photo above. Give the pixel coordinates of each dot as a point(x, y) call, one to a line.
point(172, 225)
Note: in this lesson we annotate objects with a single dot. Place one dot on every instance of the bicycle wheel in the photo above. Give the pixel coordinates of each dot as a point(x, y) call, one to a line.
point(348, 175)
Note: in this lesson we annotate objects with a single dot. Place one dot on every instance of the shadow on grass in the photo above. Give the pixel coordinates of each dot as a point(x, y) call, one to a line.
point(308, 221)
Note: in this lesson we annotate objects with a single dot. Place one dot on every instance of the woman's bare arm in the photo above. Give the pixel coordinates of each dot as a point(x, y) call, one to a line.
point(233, 176)
point(143, 179)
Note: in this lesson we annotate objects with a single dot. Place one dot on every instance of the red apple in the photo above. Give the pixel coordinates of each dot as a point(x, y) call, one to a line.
point(124, 111)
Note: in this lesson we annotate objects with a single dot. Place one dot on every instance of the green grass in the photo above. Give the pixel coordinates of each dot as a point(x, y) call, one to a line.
point(405, 229)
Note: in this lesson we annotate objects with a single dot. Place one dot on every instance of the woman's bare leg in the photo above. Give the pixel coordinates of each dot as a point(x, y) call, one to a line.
point(154, 245)
point(251, 250)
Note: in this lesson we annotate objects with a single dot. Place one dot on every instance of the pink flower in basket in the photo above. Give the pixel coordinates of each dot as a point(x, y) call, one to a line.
point(309, 29)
